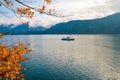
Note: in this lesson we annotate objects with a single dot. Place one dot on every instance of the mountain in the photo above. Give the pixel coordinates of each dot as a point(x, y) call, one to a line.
point(106, 25)
point(21, 29)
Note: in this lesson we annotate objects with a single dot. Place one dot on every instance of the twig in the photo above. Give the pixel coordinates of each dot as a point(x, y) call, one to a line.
point(15, 13)
point(38, 10)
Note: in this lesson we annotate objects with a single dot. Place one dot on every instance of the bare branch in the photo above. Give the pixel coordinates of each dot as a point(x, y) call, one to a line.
point(26, 5)
point(14, 12)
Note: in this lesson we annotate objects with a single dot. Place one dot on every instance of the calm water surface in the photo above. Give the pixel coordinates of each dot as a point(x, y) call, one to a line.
point(89, 57)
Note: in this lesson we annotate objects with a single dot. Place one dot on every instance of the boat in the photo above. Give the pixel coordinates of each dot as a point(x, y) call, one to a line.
point(68, 39)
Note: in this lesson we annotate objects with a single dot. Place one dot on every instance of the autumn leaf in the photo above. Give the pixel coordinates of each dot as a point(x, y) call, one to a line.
point(43, 7)
point(25, 11)
point(10, 59)
point(48, 1)
point(8, 3)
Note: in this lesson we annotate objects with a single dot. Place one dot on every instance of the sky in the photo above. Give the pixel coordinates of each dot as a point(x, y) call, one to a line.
point(71, 9)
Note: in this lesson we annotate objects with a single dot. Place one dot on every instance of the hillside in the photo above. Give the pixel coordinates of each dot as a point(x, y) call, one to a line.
point(21, 29)
point(106, 25)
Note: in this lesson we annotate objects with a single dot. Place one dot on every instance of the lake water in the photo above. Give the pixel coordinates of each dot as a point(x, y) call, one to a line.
point(89, 57)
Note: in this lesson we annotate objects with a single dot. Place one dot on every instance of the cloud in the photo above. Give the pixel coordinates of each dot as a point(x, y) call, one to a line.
point(8, 21)
point(73, 10)
point(76, 9)
point(114, 5)
point(45, 21)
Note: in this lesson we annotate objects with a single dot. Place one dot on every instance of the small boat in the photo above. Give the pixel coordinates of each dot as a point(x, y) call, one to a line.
point(68, 39)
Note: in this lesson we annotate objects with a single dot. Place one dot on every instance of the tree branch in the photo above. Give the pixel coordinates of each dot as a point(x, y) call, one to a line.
point(38, 10)
point(14, 12)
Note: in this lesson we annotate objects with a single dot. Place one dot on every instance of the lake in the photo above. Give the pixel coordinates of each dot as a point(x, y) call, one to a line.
point(89, 57)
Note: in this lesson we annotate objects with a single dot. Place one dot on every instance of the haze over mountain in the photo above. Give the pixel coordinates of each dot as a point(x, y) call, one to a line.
point(21, 29)
point(106, 25)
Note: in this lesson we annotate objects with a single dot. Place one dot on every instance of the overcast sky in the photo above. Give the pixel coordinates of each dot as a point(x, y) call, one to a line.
point(72, 9)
